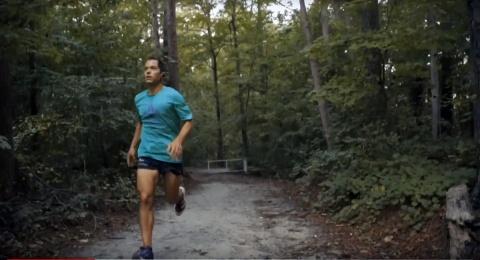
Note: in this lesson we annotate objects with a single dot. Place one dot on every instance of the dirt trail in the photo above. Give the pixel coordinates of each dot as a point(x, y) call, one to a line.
point(227, 216)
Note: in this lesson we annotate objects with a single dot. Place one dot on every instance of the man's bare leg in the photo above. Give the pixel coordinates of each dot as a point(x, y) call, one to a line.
point(172, 184)
point(146, 183)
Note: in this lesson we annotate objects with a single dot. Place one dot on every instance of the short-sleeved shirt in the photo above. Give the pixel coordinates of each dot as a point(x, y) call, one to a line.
point(161, 116)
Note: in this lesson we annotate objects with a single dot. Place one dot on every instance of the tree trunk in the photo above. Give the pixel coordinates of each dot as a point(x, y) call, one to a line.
point(417, 96)
point(324, 22)
point(155, 26)
point(435, 94)
point(33, 85)
point(447, 62)
point(34, 80)
point(474, 7)
point(315, 70)
point(172, 44)
point(165, 28)
point(241, 101)
point(459, 215)
point(435, 84)
point(220, 146)
point(7, 159)
point(213, 57)
point(34, 92)
point(371, 23)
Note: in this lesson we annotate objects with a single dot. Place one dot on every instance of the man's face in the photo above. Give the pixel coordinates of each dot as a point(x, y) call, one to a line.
point(152, 72)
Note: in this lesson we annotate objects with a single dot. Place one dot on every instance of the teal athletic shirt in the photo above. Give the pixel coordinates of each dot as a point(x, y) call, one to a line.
point(161, 116)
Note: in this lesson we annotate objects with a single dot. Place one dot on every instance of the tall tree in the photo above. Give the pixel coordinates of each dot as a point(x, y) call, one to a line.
point(171, 27)
point(155, 25)
point(238, 72)
point(435, 85)
point(447, 67)
point(7, 161)
point(213, 50)
point(324, 21)
point(474, 7)
point(315, 70)
point(370, 17)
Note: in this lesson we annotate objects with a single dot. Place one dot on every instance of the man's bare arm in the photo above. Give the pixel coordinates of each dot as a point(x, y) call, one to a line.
point(175, 149)
point(184, 131)
point(136, 136)
point(132, 152)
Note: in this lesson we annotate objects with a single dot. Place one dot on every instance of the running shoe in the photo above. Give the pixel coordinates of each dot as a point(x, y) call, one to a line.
point(145, 252)
point(181, 204)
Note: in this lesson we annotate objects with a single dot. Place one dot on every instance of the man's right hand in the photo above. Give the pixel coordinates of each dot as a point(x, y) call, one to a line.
point(131, 157)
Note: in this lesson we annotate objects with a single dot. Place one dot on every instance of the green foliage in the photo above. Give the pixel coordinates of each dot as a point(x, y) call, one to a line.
point(366, 187)
point(69, 123)
point(48, 205)
point(372, 171)
point(73, 67)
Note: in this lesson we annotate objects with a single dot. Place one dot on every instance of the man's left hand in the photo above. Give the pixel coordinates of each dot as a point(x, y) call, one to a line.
point(175, 149)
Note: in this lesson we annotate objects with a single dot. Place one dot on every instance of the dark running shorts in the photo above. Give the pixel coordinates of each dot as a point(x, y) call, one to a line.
point(161, 166)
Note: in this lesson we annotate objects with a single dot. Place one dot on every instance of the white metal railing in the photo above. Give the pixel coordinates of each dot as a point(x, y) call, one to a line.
point(244, 164)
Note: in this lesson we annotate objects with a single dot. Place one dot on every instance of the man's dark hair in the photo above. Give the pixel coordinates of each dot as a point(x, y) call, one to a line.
point(158, 58)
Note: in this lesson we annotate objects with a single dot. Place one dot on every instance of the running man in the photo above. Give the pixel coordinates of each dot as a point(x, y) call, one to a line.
point(165, 121)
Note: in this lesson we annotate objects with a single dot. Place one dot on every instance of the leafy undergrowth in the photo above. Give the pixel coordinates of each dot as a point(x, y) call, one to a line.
point(417, 187)
point(364, 177)
point(390, 236)
point(47, 214)
point(382, 194)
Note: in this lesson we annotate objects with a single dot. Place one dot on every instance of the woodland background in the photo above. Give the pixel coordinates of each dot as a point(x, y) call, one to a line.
point(371, 104)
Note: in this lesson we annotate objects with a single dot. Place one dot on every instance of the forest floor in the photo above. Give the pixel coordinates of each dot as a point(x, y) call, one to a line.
point(243, 216)
point(389, 237)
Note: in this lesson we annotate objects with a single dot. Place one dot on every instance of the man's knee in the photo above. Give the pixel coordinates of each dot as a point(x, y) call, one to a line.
point(146, 198)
